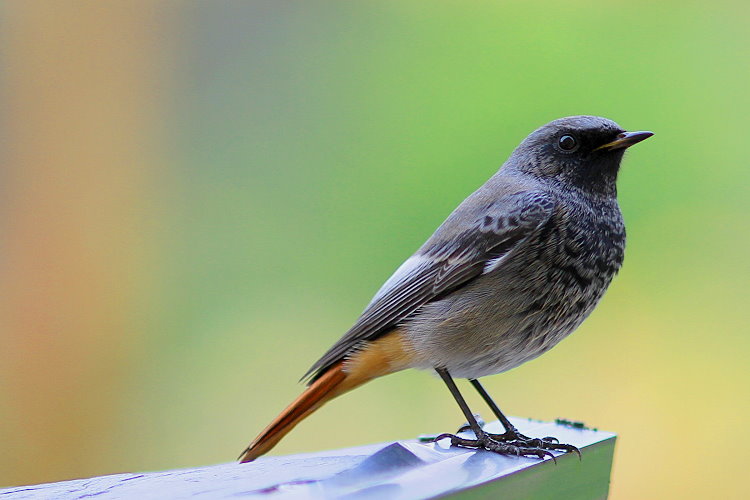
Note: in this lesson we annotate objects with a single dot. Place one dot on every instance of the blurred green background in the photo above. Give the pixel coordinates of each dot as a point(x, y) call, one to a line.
point(197, 199)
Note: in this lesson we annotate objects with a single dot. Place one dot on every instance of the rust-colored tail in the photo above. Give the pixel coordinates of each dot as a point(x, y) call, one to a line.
point(386, 355)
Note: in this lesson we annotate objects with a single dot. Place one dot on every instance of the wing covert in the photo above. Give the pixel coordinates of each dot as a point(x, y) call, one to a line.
point(457, 253)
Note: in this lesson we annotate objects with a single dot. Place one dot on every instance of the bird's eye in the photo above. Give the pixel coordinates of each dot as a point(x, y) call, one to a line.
point(567, 143)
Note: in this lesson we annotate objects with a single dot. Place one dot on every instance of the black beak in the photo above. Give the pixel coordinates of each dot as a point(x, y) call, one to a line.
point(625, 140)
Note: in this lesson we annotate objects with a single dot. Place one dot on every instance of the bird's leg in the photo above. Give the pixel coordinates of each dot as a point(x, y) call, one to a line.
point(483, 439)
point(467, 427)
point(511, 434)
point(493, 406)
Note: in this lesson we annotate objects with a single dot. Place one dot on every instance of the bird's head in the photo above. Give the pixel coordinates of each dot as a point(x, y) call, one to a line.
point(581, 151)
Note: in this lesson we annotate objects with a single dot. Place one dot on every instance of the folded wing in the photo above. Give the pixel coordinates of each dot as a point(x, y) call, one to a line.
point(462, 249)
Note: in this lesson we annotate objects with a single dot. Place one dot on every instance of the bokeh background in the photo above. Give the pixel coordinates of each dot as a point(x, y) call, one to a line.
point(197, 199)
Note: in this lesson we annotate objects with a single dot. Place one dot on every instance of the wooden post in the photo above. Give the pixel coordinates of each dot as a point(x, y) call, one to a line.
point(398, 470)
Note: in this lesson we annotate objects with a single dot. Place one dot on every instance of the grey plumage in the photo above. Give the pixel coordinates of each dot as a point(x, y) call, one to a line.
point(517, 266)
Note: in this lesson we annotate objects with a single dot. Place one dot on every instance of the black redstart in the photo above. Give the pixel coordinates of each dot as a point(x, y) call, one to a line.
point(512, 271)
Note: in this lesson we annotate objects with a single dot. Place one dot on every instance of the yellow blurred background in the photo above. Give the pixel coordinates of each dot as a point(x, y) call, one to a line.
point(197, 199)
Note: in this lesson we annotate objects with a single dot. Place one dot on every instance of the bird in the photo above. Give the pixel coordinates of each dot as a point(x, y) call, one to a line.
point(513, 270)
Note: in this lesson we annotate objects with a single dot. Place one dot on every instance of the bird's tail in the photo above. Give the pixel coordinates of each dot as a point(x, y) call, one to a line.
point(385, 355)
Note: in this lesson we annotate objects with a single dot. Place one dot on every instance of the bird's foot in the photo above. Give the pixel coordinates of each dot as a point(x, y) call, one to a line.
point(511, 442)
point(512, 436)
point(485, 442)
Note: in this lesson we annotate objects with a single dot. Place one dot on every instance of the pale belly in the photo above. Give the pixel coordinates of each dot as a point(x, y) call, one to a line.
point(502, 320)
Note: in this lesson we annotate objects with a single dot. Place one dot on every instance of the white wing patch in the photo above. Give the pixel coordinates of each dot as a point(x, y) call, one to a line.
point(492, 264)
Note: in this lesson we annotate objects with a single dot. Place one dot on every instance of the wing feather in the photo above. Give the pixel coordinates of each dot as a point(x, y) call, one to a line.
point(442, 265)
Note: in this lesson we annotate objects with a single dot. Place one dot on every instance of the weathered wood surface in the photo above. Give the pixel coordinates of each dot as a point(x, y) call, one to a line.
point(399, 470)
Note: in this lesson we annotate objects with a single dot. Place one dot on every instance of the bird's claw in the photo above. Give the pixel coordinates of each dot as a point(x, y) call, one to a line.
point(512, 442)
point(545, 443)
point(485, 442)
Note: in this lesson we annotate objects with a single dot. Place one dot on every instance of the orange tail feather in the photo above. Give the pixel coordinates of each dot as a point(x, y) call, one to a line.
point(385, 355)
